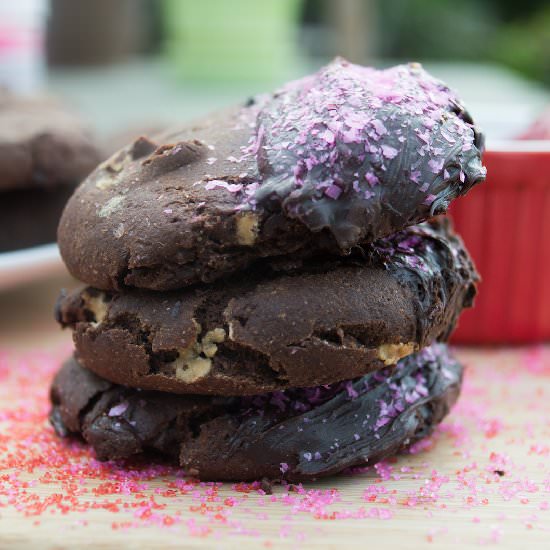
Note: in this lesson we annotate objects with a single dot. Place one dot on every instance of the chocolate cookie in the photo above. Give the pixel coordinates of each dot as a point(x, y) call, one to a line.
point(42, 145)
point(313, 323)
point(298, 434)
point(44, 153)
point(29, 217)
point(335, 160)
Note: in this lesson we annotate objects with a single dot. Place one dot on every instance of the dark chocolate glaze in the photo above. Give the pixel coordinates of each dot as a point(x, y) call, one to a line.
point(288, 323)
point(431, 260)
point(298, 435)
point(360, 152)
point(274, 178)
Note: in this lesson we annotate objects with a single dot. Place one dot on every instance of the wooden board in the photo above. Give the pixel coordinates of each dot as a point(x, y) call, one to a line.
point(484, 479)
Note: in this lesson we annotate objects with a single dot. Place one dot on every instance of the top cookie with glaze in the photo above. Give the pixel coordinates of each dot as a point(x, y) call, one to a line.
point(334, 160)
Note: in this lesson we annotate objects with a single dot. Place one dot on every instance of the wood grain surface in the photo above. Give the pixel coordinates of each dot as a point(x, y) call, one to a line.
point(483, 479)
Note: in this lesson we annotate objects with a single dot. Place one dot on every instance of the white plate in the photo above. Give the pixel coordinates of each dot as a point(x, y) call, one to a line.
point(30, 264)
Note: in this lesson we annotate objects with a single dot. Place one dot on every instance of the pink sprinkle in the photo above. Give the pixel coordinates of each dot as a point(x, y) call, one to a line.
point(283, 467)
point(537, 361)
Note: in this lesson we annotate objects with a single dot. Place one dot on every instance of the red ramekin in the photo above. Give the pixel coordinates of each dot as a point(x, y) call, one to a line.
point(505, 223)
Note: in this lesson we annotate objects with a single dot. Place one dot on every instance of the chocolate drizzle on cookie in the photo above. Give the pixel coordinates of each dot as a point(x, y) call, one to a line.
point(298, 434)
point(358, 151)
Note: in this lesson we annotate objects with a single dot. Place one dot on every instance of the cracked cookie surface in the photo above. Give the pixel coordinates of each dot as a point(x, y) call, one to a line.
point(279, 325)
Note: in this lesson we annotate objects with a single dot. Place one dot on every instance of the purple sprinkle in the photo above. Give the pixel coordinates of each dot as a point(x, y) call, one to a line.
point(436, 165)
point(350, 389)
point(449, 138)
point(429, 199)
point(382, 421)
point(258, 140)
point(415, 176)
point(389, 152)
point(399, 406)
point(424, 136)
point(422, 390)
point(279, 399)
point(231, 187)
point(119, 409)
point(328, 136)
point(379, 127)
point(371, 179)
point(333, 191)
point(283, 467)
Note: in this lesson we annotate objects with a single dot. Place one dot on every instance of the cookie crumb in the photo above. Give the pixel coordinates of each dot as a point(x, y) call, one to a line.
point(391, 353)
point(247, 228)
point(266, 486)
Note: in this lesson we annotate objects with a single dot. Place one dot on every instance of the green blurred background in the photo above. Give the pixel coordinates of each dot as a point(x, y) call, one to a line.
point(133, 64)
point(259, 39)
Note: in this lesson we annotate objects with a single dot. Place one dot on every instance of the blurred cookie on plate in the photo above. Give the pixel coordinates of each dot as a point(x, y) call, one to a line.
point(45, 151)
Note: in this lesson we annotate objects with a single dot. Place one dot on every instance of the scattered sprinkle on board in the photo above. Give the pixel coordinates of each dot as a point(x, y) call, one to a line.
point(483, 479)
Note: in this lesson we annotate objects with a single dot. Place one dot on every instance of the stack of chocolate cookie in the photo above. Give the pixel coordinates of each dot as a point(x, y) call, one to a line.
point(45, 151)
point(265, 297)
